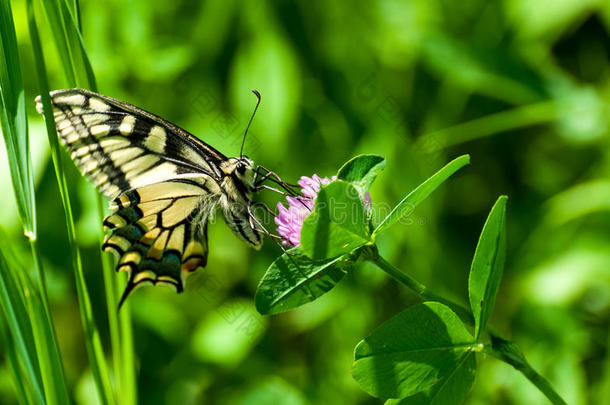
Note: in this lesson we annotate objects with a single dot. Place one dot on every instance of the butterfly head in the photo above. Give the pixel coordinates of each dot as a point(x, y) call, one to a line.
point(242, 168)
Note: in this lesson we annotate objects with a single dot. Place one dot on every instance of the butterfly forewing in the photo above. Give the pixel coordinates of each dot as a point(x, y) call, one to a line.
point(121, 147)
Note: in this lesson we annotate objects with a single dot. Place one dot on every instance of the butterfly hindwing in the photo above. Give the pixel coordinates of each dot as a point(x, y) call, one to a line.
point(159, 232)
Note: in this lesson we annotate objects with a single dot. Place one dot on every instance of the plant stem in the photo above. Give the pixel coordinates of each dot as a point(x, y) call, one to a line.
point(509, 352)
point(501, 348)
point(422, 291)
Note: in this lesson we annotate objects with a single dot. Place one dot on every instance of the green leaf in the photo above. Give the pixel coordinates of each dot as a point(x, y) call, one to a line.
point(361, 171)
point(13, 121)
point(488, 265)
point(424, 349)
point(337, 224)
point(406, 206)
point(293, 279)
point(450, 391)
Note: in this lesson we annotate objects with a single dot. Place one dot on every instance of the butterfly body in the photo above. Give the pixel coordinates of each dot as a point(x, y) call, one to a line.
point(164, 184)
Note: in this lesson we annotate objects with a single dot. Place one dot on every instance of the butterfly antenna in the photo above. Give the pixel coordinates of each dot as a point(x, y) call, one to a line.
point(243, 142)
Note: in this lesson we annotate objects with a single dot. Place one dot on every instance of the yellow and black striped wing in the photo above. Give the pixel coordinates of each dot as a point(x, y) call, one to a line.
point(122, 147)
point(164, 183)
point(159, 231)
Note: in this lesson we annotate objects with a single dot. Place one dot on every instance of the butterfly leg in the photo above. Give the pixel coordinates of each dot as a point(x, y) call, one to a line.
point(265, 207)
point(274, 237)
point(266, 175)
point(254, 220)
point(269, 175)
point(259, 177)
point(266, 187)
point(299, 198)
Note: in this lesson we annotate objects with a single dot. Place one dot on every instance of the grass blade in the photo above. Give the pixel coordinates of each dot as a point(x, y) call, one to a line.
point(14, 121)
point(519, 117)
point(51, 367)
point(80, 61)
point(92, 340)
point(28, 314)
point(24, 395)
point(129, 389)
point(81, 74)
point(32, 330)
point(69, 44)
point(13, 307)
point(120, 328)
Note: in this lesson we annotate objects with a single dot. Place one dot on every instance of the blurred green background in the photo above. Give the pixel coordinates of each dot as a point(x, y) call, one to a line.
point(520, 85)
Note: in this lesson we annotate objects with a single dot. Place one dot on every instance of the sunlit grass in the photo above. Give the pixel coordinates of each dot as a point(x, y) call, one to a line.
point(27, 332)
point(17, 336)
point(78, 72)
point(14, 122)
point(24, 300)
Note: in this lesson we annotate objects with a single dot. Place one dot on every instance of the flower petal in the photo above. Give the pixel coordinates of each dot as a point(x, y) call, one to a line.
point(290, 219)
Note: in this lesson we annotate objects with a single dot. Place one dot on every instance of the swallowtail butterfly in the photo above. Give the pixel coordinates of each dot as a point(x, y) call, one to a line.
point(164, 185)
